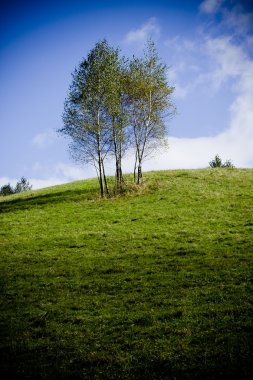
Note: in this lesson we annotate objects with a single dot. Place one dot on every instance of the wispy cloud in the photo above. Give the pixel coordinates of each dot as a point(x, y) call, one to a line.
point(210, 6)
point(230, 61)
point(44, 139)
point(233, 15)
point(149, 29)
point(73, 172)
point(45, 175)
point(238, 19)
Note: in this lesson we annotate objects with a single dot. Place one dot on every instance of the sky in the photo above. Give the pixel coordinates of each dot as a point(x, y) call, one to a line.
point(207, 45)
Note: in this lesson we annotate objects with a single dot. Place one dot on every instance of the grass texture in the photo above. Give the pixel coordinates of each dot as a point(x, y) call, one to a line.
point(154, 284)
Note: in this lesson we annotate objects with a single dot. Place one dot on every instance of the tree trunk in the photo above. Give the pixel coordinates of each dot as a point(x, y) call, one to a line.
point(117, 139)
point(100, 163)
point(139, 173)
point(135, 166)
point(117, 179)
point(102, 193)
point(105, 179)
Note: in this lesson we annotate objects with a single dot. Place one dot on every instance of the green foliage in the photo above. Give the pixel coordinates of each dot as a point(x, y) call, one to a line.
point(22, 185)
point(6, 190)
point(217, 163)
point(155, 284)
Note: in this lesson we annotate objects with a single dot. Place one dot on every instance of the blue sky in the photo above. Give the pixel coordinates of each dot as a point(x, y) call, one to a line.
point(207, 44)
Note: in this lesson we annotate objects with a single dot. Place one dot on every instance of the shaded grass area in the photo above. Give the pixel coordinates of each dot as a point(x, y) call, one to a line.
point(151, 285)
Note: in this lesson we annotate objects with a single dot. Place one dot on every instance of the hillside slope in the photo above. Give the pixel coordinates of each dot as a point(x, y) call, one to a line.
point(155, 284)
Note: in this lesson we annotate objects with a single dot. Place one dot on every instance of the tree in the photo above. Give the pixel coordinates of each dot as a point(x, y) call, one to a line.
point(22, 185)
point(7, 190)
point(148, 95)
point(95, 113)
point(85, 115)
point(116, 111)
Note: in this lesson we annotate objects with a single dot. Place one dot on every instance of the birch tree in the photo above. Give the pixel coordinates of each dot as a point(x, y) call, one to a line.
point(116, 110)
point(85, 115)
point(149, 102)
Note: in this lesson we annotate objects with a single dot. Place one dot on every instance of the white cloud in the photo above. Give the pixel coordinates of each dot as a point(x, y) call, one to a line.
point(42, 183)
point(231, 62)
point(44, 139)
point(73, 172)
point(6, 180)
point(46, 175)
point(210, 6)
point(193, 153)
point(149, 29)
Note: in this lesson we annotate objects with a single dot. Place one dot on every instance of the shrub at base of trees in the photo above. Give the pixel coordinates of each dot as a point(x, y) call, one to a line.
point(22, 185)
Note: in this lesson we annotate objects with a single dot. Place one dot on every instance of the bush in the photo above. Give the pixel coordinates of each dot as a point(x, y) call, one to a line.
point(217, 163)
point(228, 164)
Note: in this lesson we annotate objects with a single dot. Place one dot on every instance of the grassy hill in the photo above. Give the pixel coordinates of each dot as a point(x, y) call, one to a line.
point(155, 284)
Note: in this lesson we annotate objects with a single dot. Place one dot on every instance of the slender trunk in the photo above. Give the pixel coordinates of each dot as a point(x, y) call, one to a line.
point(138, 162)
point(115, 153)
point(139, 173)
point(105, 179)
point(141, 150)
point(95, 166)
point(102, 193)
point(100, 161)
point(117, 139)
point(120, 158)
point(117, 179)
point(135, 166)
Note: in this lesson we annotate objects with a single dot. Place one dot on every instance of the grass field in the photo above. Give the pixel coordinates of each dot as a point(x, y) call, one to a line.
point(155, 284)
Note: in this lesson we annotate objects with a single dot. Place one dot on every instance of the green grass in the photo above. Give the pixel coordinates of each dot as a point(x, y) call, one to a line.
point(155, 284)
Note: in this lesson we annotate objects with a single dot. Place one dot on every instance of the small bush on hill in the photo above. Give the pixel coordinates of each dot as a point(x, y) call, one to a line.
point(217, 163)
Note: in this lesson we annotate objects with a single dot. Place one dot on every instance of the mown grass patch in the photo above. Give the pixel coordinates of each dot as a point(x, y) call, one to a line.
point(150, 285)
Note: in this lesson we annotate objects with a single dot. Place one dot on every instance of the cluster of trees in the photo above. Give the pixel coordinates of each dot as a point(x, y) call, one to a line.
point(22, 185)
point(115, 104)
point(217, 163)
